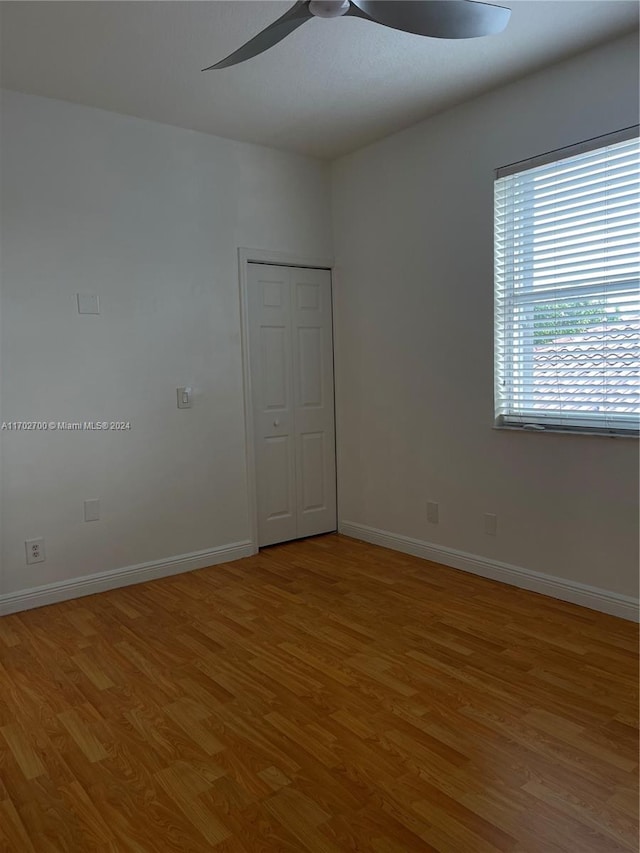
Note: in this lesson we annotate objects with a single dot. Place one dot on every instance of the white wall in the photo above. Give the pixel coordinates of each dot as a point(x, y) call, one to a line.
point(413, 246)
point(149, 217)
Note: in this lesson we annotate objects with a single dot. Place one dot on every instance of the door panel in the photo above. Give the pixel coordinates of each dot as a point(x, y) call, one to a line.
point(310, 373)
point(313, 455)
point(291, 360)
point(313, 401)
point(277, 494)
point(274, 367)
point(308, 296)
point(269, 308)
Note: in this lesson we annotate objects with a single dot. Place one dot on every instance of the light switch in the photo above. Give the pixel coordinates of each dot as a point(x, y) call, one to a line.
point(184, 397)
point(88, 303)
point(92, 510)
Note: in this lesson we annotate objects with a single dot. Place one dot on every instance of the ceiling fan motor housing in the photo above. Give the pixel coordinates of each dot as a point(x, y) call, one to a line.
point(329, 8)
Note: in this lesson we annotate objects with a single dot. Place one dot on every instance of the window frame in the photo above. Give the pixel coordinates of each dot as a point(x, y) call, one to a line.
point(553, 421)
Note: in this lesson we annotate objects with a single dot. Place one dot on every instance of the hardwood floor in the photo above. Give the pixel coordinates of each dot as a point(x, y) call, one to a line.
point(325, 695)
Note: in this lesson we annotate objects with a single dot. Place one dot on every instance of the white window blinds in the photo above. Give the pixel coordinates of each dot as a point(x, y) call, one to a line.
point(567, 303)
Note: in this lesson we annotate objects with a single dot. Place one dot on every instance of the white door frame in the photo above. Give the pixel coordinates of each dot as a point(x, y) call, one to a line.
point(261, 256)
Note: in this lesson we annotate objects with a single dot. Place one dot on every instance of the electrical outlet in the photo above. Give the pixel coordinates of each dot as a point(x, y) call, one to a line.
point(35, 550)
point(433, 512)
point(490, 524)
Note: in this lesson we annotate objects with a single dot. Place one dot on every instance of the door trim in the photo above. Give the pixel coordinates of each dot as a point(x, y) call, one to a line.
point(262, 256)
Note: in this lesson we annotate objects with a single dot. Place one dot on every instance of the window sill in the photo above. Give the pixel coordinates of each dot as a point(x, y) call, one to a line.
point(560, 431)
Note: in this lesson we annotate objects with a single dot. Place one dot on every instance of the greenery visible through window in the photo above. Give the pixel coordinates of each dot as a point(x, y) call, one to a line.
point(575, 317)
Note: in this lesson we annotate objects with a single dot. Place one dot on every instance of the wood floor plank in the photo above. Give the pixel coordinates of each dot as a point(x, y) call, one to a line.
point(82, 735)
point(13, 834)
point(324, 695)
point(23, 751)
point(184, 787)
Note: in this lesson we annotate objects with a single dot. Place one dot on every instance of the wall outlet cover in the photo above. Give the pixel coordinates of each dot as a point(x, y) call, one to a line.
point(92, 510)
point(490, 524)
point(34, 549)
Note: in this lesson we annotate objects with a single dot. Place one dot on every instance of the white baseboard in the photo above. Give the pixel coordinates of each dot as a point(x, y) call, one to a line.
point(593, 597)
point(89, 584)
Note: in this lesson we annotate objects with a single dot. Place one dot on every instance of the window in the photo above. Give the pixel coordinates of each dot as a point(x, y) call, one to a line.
point(567, 299)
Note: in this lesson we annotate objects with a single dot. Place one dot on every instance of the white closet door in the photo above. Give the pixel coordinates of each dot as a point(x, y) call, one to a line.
point(314, 400)
point(269, 304)
point(291, 351)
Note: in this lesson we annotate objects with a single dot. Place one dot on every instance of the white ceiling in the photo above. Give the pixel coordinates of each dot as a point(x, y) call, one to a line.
point(328, 88)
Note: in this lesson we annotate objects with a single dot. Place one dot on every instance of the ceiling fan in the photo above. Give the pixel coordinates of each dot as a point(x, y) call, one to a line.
point(445, 19)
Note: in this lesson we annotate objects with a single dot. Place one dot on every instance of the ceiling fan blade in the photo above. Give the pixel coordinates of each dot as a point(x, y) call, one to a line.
point(275, 32)
point(444, 19)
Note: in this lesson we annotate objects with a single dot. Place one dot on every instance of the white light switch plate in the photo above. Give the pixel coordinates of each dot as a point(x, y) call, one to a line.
point(184, 397)
point(88, 303)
